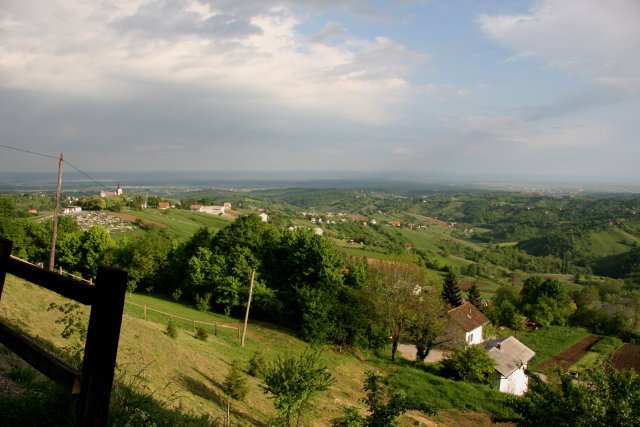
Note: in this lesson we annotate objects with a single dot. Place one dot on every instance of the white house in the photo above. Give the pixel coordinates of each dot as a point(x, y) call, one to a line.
point(213, 210)
point(465, 326)
point(264, 217)
point(71, 210)
point(511, 358)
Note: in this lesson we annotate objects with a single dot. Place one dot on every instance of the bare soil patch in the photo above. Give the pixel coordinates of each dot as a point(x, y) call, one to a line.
point(627, 357)
point(567, 357)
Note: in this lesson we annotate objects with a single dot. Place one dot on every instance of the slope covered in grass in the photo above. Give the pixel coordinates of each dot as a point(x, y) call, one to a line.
point(187, 373)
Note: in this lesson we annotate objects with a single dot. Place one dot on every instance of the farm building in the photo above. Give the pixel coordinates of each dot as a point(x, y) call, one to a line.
point(164, 205)
point(511, 358)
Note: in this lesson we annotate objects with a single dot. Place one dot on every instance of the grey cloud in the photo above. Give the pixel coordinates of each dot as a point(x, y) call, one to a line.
point(170, 18)
point(364, 9)
point(333, 32)
point(172, 126)
point(592, 99)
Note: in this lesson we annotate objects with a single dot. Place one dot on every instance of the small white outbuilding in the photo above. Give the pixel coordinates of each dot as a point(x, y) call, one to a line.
point(511, 358)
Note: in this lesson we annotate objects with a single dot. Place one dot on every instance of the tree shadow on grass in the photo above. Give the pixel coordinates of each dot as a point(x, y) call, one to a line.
point(214, 395)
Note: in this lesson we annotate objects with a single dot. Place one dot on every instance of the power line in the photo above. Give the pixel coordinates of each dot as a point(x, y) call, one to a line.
point(54, 157)
point(85, 174)
point(27, 151)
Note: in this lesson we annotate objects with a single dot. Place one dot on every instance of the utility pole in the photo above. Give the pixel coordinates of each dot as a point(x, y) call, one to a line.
point(246, 314)
point(56, 209)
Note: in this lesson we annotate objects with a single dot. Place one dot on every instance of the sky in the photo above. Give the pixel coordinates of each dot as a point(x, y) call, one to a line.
point(476, 87)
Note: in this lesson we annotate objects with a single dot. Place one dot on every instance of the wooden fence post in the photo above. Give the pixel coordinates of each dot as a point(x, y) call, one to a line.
point(101, 348)
point(5, 253)
point(145, 312)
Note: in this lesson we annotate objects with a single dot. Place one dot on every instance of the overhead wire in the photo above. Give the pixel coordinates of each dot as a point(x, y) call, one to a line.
point(57, 158)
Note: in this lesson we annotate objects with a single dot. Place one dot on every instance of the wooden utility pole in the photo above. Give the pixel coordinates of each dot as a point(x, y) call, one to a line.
point(246, 314)
point(56, 209)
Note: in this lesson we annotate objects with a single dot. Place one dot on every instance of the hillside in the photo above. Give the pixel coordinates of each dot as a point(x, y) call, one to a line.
point(187, 372)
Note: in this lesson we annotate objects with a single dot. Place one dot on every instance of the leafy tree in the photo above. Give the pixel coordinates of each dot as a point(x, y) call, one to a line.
point(431, 322)
point(143, 257)
point(469, 363)
point(450, 290)
point(234, 387)
point(503, 309)
point(404, 299)
point(474, 297)
point(545, 301)
point(293, 382)
point(94, 244)
point(604, 397)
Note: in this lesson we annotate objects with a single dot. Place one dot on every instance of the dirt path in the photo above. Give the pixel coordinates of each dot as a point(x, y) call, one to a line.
point(627, 357)
point(567, 357)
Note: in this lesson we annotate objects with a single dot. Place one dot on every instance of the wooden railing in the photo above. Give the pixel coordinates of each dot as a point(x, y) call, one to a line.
point(93, 382)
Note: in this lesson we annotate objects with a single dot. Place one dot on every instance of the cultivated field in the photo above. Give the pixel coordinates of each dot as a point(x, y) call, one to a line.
point(627, 357)
point(568, 357)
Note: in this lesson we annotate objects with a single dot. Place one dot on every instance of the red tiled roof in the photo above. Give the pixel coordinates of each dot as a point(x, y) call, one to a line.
point(467, 316)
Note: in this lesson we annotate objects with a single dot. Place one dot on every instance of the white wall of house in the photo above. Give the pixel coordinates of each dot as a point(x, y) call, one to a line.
point(474, 337)
point(516, 383)
point(213, 210)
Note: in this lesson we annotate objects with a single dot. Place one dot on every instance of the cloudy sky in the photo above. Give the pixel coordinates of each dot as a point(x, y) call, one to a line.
point(480, 87)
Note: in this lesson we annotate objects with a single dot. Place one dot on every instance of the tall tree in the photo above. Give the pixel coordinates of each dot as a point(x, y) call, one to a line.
point(405, 299)
point(450, 290)
point(474, 297)
point(545, 301)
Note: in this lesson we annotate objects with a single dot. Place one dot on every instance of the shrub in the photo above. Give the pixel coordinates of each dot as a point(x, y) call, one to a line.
point(172, 329)
point(18, 374)
point(256, 364)
point(293, 382)
point(177, 294)
point(202, 334)
point(349, 418)
point(203, 302)
point(470, 363)
point(234, 387)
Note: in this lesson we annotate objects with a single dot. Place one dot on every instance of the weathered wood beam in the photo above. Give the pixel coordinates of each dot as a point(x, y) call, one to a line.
point(70, 288)
point(44, 362)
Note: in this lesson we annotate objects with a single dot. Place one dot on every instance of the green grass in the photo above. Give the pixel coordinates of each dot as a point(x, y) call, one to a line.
point(611, 241)
point(181, 222)
point(180, 310)
point(427, 389)
point(363, 252)
point(598, 354)
point(178, 380)
point(548, 342)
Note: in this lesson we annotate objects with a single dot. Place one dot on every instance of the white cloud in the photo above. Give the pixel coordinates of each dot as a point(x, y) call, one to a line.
point(593, 38)
point(107, 49)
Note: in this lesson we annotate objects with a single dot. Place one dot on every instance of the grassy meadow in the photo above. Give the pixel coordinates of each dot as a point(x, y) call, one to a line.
point(186, 372)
